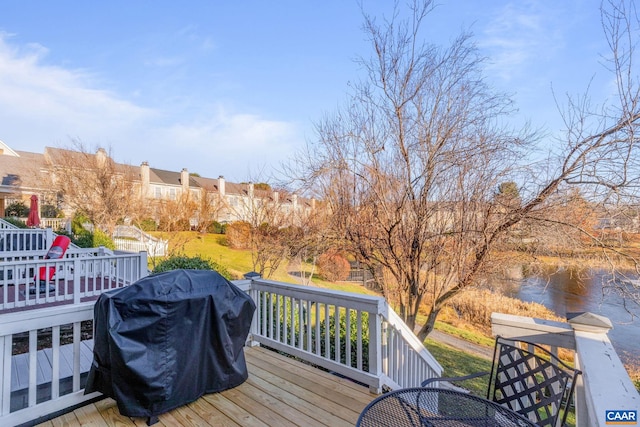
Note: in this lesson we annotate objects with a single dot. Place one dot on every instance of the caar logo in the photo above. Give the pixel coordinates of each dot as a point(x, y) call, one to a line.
point(621, 417)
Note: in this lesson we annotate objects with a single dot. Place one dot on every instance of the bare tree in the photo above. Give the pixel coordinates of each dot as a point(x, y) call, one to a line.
point(411, 169)
point(91, 182)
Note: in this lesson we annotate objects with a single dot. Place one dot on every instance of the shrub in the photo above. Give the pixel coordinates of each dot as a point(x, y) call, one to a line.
point(147, 224)
point(216, 228)
point(18, 209)
point(100, 238)
point(333, 266)
point(176, 262)
point(239, 235)
point(50, 211)
point(85, 238)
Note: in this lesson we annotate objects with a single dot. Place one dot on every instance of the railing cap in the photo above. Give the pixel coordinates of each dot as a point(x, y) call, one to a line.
point(252, 275)
point(589, 322)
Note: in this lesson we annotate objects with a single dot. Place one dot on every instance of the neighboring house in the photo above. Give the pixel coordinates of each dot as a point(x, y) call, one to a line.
point(24, 174)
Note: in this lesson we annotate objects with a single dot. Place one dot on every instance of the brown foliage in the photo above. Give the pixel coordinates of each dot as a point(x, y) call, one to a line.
point(333, 266)
point(239, 235)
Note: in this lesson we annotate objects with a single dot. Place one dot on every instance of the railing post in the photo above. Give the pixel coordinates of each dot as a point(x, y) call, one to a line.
point(77, 276)
point(609, 385)
point(48, 237)
point(376, 345)
point(253, 330)
point(144, 269)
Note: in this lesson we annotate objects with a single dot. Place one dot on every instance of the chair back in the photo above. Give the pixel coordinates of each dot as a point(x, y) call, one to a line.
point(530, 380)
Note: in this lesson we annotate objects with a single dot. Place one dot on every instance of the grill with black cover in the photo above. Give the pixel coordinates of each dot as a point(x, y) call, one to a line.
point(167, 339)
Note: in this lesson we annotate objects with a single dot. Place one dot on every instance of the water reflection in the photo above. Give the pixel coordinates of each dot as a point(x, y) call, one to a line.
point(573, 290)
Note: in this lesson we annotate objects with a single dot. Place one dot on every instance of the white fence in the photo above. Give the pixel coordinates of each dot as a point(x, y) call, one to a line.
point(153, 248)
point(376, 349)
point(132, 239)
point(40, 281)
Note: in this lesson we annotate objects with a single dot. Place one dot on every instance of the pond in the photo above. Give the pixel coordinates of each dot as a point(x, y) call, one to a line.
point(570, 290)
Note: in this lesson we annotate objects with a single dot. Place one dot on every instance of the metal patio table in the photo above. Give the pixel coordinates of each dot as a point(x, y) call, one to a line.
point(426, 406)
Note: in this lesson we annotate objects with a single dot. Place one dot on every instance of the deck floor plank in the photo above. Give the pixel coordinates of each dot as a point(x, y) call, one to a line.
point(90, 416)
point(325, 397)
point(280, 392)
point(186, 416)
point(298, 397)
point(343, 385)
point(295, 415)
point(211, 414)
point(256, 408)
point(67, 420)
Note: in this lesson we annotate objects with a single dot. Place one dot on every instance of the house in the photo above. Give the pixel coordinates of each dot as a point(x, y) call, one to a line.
point(25, 173)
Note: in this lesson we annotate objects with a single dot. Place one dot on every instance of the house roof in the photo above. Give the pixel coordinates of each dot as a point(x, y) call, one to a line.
point(20, 170)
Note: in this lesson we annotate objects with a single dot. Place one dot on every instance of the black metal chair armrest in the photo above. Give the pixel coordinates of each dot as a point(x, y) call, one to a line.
point(451, 379)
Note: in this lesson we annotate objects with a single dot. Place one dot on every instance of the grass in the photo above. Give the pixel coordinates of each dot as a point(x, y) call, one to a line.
point(458, 363)
point(465, 334)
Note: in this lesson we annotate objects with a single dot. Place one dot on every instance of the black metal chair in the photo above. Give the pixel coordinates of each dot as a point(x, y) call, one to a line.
point(529, 380)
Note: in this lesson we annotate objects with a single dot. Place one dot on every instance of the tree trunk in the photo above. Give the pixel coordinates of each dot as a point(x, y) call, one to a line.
point(429, 325)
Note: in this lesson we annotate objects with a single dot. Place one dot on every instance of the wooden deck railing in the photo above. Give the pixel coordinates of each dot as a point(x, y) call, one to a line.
point(604, 384)
point(355, 335)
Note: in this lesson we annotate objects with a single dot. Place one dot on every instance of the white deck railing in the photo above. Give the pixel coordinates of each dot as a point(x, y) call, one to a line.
point(153, 248)
point(32, 323)
point(132, 239)
point(24, 239)
point(77, 276)
point(374, 346)
point(604, 384)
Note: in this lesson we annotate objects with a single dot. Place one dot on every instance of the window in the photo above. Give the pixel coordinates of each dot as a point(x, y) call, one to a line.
point(172, 193)
point(158, 193)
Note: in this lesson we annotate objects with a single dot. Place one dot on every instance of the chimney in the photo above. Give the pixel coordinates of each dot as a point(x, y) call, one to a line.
point(221, 186)
point(313, 204)
point(101, 157)
point(250, 190)
point(276, 197)
point(145, 178)
point(294, 200)
point(184, 180)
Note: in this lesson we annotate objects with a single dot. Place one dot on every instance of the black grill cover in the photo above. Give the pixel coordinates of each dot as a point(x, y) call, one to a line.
point(169, 338)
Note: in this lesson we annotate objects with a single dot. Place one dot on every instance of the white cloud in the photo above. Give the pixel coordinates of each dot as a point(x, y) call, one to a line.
point(520, 34)
point(55, 100)
point(47, 104)
point(231, 144)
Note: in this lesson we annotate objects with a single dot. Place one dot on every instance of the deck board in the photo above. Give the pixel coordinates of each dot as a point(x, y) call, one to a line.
point(279, 392)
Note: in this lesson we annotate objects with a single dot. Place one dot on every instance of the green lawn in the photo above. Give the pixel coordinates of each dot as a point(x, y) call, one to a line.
point(458, 363)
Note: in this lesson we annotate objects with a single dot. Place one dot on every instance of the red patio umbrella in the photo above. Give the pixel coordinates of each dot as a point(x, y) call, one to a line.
point(33, 220)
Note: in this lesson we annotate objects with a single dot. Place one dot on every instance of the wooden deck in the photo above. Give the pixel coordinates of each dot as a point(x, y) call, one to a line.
point(279, 392)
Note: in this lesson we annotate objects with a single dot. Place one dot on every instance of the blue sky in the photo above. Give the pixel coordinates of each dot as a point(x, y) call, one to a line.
point(231, 88)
